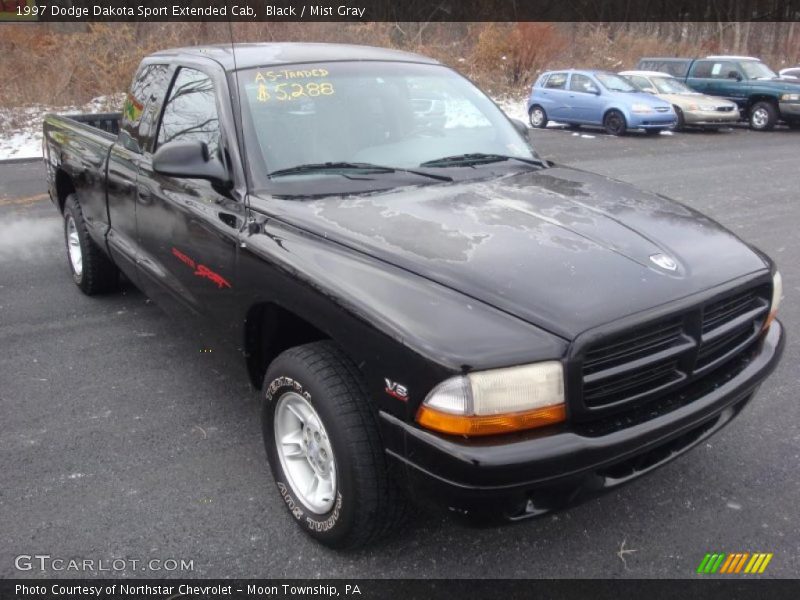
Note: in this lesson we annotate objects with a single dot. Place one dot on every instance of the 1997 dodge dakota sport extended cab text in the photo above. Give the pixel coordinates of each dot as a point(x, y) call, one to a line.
point(430, 310)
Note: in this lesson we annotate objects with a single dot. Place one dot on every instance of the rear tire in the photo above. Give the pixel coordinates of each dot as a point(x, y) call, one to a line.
point(614, 123)
point(537, 117)
point(763, 116)
point(92, 270)
point(334, 441)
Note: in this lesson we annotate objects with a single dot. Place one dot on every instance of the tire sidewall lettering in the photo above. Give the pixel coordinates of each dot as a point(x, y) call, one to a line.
point(274, 391)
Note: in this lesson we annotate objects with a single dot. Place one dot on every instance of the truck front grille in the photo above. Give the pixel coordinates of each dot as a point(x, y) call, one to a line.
point(648, 361)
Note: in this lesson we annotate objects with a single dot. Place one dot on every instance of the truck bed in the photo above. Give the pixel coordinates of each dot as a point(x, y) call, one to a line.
point(106, 122)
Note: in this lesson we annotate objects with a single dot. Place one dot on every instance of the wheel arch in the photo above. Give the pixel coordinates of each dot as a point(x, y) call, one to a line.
point(63, 188)
point(755, 98)
point(621, 110)
point(269, 329)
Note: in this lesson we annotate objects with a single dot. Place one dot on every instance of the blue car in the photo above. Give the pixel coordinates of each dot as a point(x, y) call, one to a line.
point(596, 98)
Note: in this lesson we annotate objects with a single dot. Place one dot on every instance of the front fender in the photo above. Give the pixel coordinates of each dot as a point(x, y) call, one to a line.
point(394, 324)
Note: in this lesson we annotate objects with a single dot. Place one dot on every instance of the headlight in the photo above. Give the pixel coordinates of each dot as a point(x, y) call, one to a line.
point(641, 108)
point(693, 107)
point(777, 294)
point(711, 107)
point(790, 97)
point(496, 401)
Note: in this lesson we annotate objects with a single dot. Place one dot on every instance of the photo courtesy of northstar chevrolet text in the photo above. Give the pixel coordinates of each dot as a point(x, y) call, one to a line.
point(382, 291)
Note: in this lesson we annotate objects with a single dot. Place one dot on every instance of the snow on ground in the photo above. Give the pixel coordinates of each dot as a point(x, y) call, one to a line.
point(21, 128)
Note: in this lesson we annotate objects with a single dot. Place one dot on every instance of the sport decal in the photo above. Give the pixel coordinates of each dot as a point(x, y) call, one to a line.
point(201, 270)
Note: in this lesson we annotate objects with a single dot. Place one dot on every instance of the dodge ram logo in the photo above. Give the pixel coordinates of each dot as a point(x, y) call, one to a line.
point(664, 261)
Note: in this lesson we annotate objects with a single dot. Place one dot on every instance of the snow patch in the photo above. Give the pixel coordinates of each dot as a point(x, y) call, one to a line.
point(21, 128)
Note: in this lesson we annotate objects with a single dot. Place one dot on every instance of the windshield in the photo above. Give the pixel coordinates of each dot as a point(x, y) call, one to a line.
point(383, 114)
point(614, 83)
point(757, 70)
point(670, 85)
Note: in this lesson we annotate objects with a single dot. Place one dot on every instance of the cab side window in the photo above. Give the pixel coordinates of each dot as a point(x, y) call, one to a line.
point(142, 105)
point(702, 69)
point(581, 83)
point(556, 81)
point(191, 111)
point(725, 70)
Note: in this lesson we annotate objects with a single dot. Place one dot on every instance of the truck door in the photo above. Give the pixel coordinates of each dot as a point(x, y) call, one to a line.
point(147, 91)
point(188, 229)
point(726, 79)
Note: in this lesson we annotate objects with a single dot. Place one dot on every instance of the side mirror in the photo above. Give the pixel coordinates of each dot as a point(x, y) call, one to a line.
point(734, 75)
point(521, 127)
point(192, 160)
point(650, 90)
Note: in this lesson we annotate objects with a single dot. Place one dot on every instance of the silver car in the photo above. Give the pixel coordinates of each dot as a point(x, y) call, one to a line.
point(693, 108)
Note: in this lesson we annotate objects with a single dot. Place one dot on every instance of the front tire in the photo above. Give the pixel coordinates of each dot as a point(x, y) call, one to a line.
point(321, 437)
point(537, 117)
point(614, 123)
point(763, 116)
point(681, 123)
point(92, 270)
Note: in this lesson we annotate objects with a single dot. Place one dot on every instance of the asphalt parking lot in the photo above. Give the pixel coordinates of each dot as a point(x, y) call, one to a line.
point(119, 438)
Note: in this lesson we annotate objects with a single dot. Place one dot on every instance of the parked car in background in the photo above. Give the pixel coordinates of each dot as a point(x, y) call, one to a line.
point(693, 109)
point(597, 98)
point(763, 97)
point(793, 72)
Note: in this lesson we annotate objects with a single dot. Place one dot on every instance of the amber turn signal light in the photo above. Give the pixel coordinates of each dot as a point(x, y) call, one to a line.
point(475, 425)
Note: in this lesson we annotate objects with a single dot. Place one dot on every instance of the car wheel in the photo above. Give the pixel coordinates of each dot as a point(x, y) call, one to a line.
point(763, 116)
point(614, 123)
point(681, 122)
point(538, 117)
point(321, 437)
point(92, 271)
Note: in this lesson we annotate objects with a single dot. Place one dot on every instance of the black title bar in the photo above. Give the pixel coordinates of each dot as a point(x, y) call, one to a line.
point(738, 588)
point(401, 10)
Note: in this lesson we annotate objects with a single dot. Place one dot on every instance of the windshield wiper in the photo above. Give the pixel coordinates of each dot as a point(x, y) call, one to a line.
point(477, 158)
point(335, 167)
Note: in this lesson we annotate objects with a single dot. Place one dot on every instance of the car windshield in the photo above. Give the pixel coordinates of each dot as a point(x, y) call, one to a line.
point(670, 85)
point(757, 70)
point(371, 120)
point(614, 83)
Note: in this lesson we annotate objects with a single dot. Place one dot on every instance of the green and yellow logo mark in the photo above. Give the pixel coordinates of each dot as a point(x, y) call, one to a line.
point(739, 562)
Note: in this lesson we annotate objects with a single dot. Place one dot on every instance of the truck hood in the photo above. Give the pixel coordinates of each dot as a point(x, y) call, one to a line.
point(563, 249)
point(777, 83)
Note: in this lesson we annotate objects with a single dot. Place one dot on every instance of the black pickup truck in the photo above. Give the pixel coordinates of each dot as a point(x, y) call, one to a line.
point(430, 310)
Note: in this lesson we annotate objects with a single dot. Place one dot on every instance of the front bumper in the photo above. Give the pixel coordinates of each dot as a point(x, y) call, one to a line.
point(790, 111)
point(537, 471)
point(651, 120)
point(710, 117)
